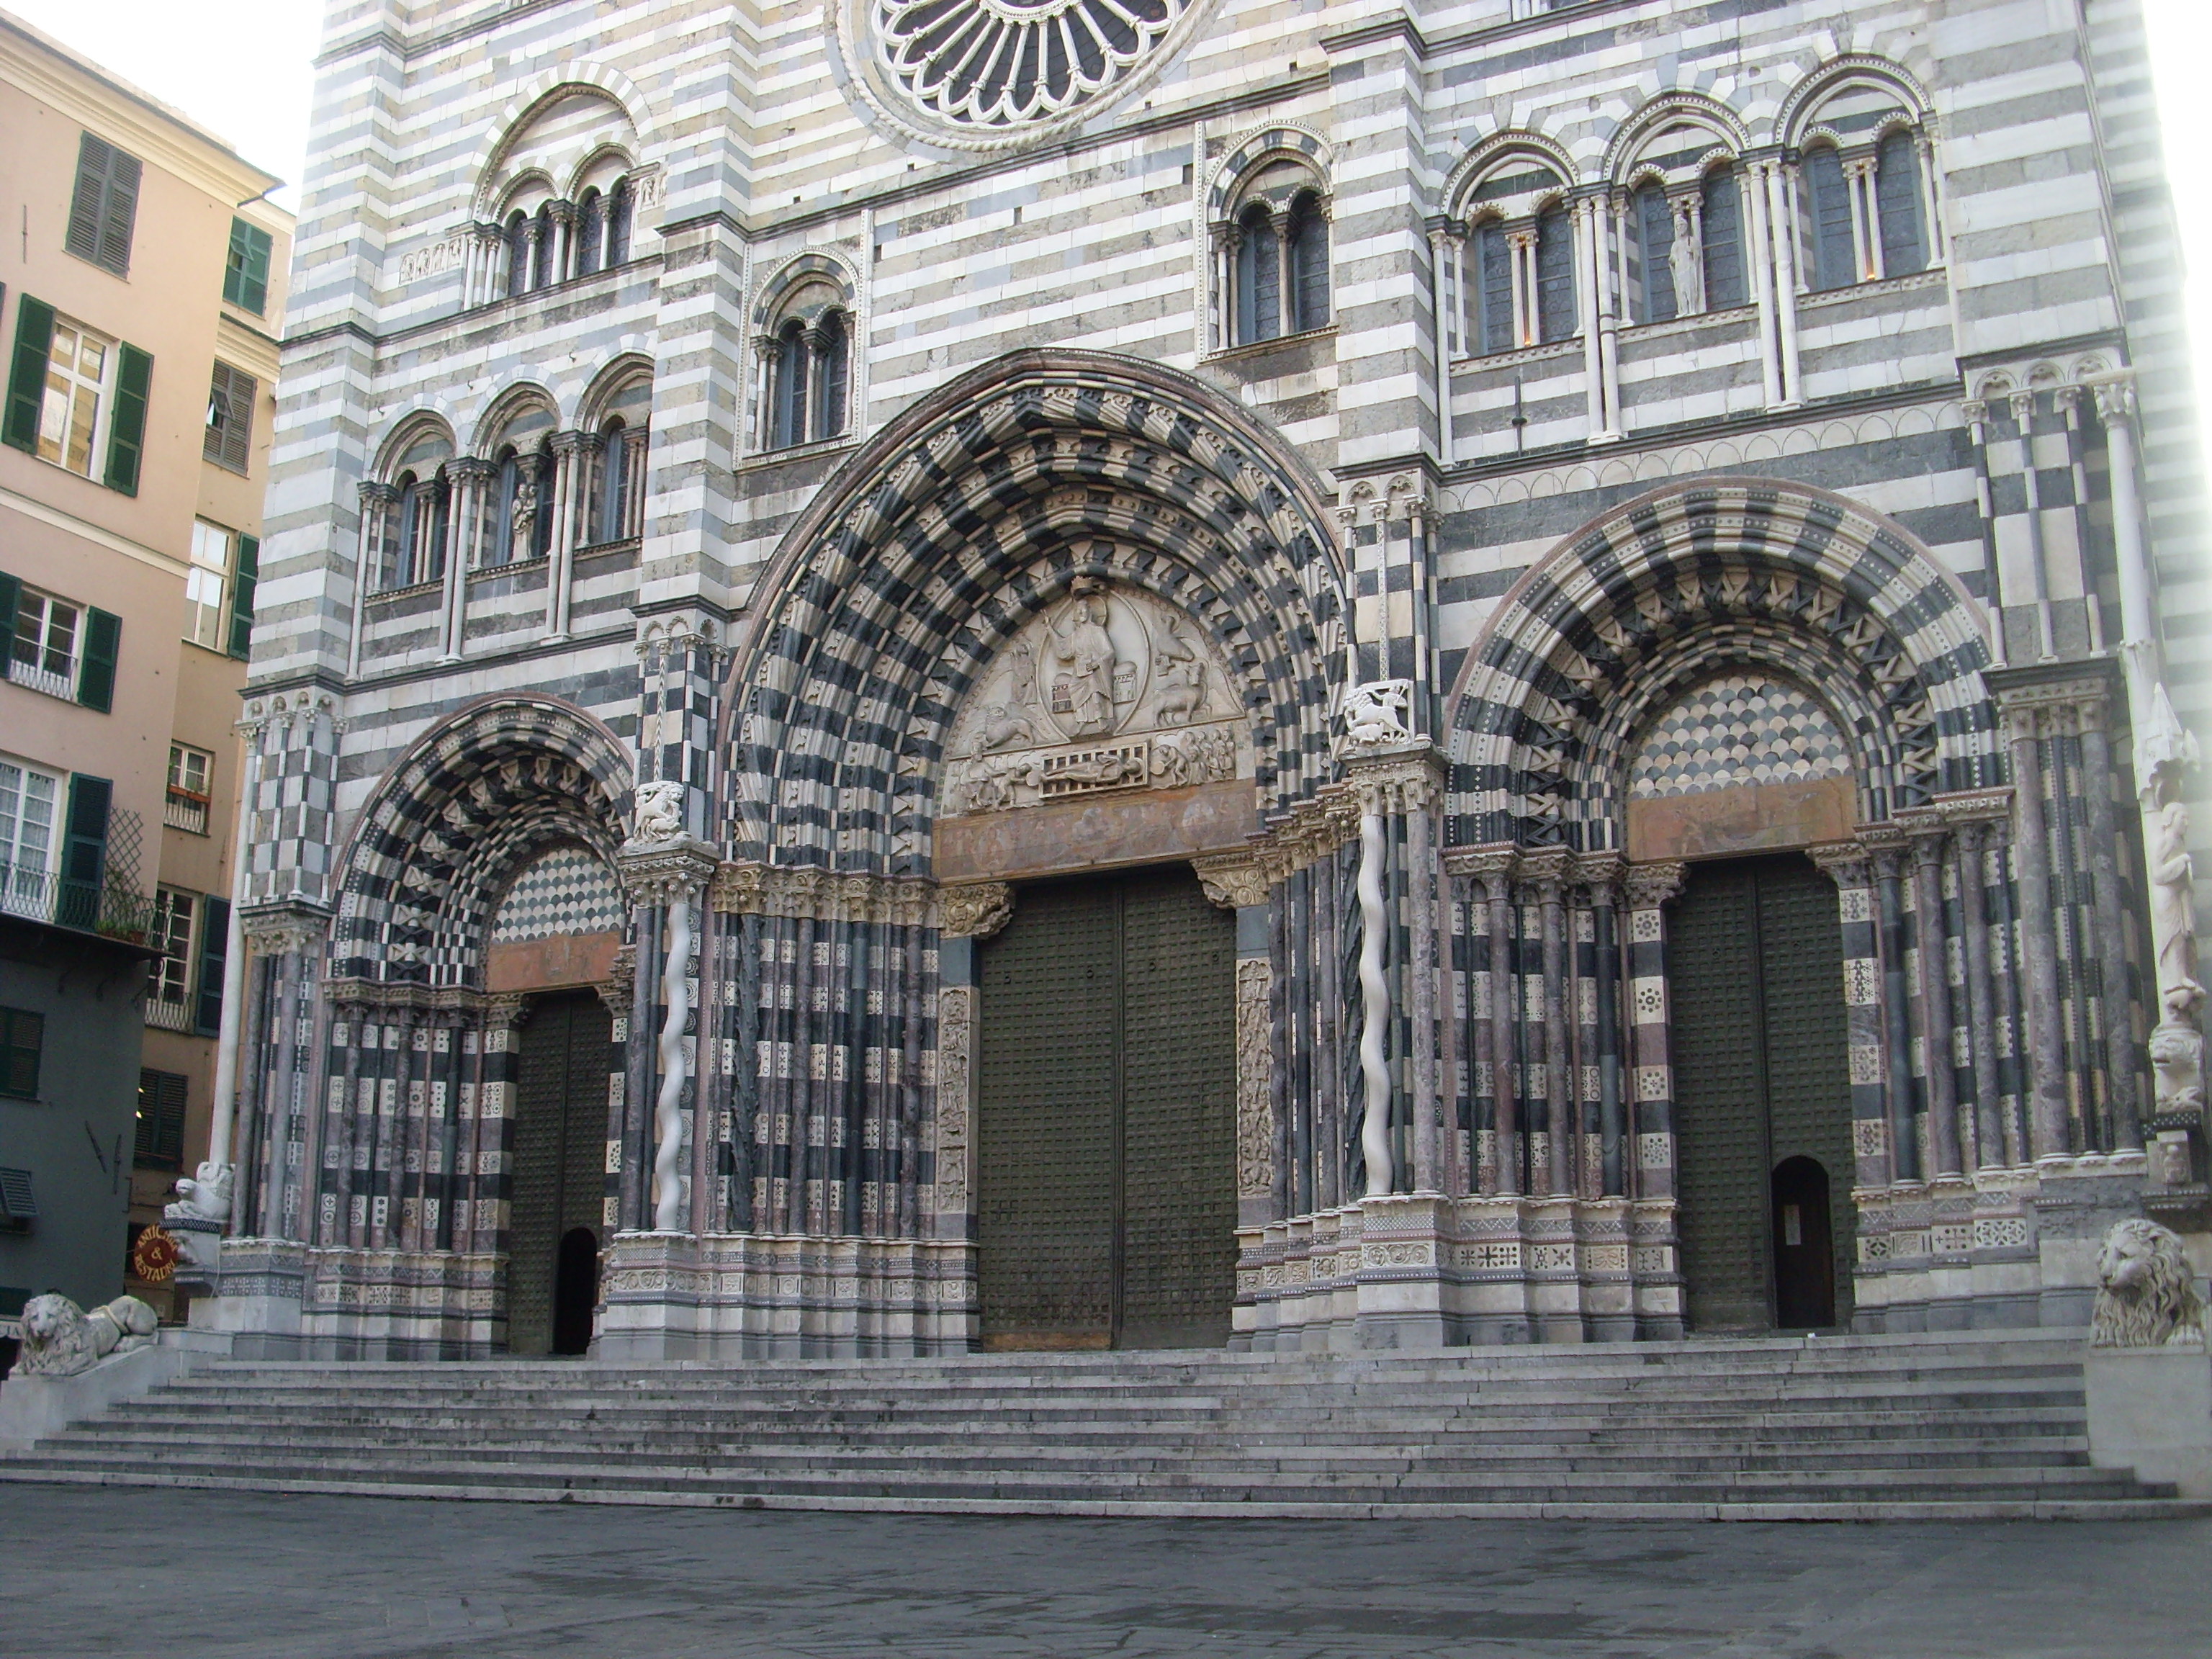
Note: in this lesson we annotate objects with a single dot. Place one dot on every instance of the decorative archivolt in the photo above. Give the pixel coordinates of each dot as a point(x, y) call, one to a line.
point(418, 443)
point(1687, 121)
point(972, 515)
point(452, 820)
point(1512, 173)
point(803, 285)
point(1258, 152)
point(1672, 586)
point(1802, 111)
point(512, 404)
point(629, 126)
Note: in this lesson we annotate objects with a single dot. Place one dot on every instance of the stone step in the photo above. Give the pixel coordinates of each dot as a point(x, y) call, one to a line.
point(1846, 1429)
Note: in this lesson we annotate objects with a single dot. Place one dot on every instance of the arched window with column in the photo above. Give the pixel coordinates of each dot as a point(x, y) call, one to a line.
point(614, 482)
point(1898, 194)
point(406, 532)
point(1269, 213)
point(590, 232)
point(1865, 174)
point(541, 262)
point(1721, 238)
point(517, 524)
point(1306, 262)
point(1507, 260)
point(518, 252)
point(807, 334)
point(621, 211)
point(1651, 253)
point(1556, 318)
point(1259, 276)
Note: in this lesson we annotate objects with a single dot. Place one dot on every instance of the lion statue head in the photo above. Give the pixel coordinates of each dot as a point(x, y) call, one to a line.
point(61, 1340)
point(2146, 1295)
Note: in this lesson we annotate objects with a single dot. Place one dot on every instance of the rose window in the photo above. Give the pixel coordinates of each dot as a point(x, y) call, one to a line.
point(1005, 62)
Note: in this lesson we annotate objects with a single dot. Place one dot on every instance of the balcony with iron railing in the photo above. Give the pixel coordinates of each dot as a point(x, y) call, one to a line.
point(184, 810)
point(109, 909)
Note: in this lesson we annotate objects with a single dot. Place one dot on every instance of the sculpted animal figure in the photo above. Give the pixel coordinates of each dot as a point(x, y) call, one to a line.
point(61, 1340)
point(1376, 713)
point(659, 811)
point(2146, 1295)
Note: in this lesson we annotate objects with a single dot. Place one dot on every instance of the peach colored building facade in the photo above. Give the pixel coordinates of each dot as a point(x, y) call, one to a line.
point(144, 277)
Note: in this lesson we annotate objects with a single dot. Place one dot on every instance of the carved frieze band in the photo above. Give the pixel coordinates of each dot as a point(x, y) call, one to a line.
point(956, 1074)
point(1255, 1078)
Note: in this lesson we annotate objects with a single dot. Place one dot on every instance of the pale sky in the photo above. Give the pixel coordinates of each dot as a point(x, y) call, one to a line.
point(241, 68)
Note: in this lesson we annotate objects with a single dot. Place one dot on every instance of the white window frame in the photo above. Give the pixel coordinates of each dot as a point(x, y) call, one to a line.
point(189, 801)
point(176, 933)
point(27, 882)
point(67, 392)
point(39, 609)
point(214, 554)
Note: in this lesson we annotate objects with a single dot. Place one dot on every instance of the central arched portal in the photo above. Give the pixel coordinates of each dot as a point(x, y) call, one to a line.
point(1106, 1117)
point(1067, 634)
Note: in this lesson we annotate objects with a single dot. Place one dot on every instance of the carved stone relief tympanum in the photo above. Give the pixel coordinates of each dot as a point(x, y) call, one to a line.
point(1109, 690)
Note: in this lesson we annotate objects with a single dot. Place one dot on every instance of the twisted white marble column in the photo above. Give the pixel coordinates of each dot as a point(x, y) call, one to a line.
point(672, 1191)
point(1375, 1011)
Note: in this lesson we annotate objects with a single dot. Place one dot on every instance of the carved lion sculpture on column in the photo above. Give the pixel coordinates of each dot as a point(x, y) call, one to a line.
point(2146, 1295)
point(61, 1340)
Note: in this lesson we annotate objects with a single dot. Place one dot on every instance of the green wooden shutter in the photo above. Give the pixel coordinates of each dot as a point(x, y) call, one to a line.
point(215, 955)
point(231, 397)
point(11, 608)
point(246, 277)
point(84, 852)
point(26, 383)
point(241, 596)
point(161, 1097)
point(96, 673)
point(104, 207)
point(126, 431)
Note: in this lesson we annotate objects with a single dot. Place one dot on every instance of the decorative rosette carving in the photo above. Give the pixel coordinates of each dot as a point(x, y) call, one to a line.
point(1005, 64)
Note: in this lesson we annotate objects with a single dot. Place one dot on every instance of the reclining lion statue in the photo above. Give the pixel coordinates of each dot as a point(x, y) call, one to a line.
point(2146, 1295)
point(61, 1340)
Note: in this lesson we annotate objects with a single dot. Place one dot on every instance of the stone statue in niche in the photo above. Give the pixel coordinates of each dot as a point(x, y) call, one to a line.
point(2173, 909)
point(1111, 689)
point(522, 542)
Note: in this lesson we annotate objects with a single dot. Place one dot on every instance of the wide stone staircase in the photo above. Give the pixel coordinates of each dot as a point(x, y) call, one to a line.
point(1912, 1427)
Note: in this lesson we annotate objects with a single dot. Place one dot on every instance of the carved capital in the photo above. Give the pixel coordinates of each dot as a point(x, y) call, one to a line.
point(1494, 862)
point(1650, 885)
point(286, 927)
point(1601, 873)
point(507, 1008)
point(1547, 870)
point(974, 909)
point(1409, 780)
point(1233, 881)
point(2116, 400)
point(661, 872)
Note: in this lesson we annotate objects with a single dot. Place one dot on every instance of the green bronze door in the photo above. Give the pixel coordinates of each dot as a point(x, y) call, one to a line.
point(1105, 1125)
point(560, 1150)
point(1755, 960)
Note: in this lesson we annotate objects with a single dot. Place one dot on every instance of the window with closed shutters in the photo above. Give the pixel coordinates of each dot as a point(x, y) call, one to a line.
point(22, 1043)
point(104, 206)
point(228, 440)
point(161, 1119)
point(245, 274)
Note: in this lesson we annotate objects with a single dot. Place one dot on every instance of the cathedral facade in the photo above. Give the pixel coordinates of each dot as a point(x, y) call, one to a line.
point(948, 674)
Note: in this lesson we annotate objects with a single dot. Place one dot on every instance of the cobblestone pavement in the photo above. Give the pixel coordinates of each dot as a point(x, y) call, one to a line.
point(202, 1574)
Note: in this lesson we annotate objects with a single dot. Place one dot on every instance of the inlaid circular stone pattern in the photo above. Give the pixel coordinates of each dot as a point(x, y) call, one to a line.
point(1002, 64)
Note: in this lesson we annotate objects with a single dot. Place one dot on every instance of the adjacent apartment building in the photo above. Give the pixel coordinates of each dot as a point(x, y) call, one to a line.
point(143, 272)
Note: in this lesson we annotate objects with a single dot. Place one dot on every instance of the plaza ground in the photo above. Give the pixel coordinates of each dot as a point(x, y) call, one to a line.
point(211, 1575)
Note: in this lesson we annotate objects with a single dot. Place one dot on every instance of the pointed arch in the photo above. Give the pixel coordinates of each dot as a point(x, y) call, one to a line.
point(1632, 608)
point(940, 536)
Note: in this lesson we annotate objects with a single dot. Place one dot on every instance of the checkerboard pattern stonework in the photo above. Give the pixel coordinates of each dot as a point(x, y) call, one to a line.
point(730, 403)
point(1738, 729)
